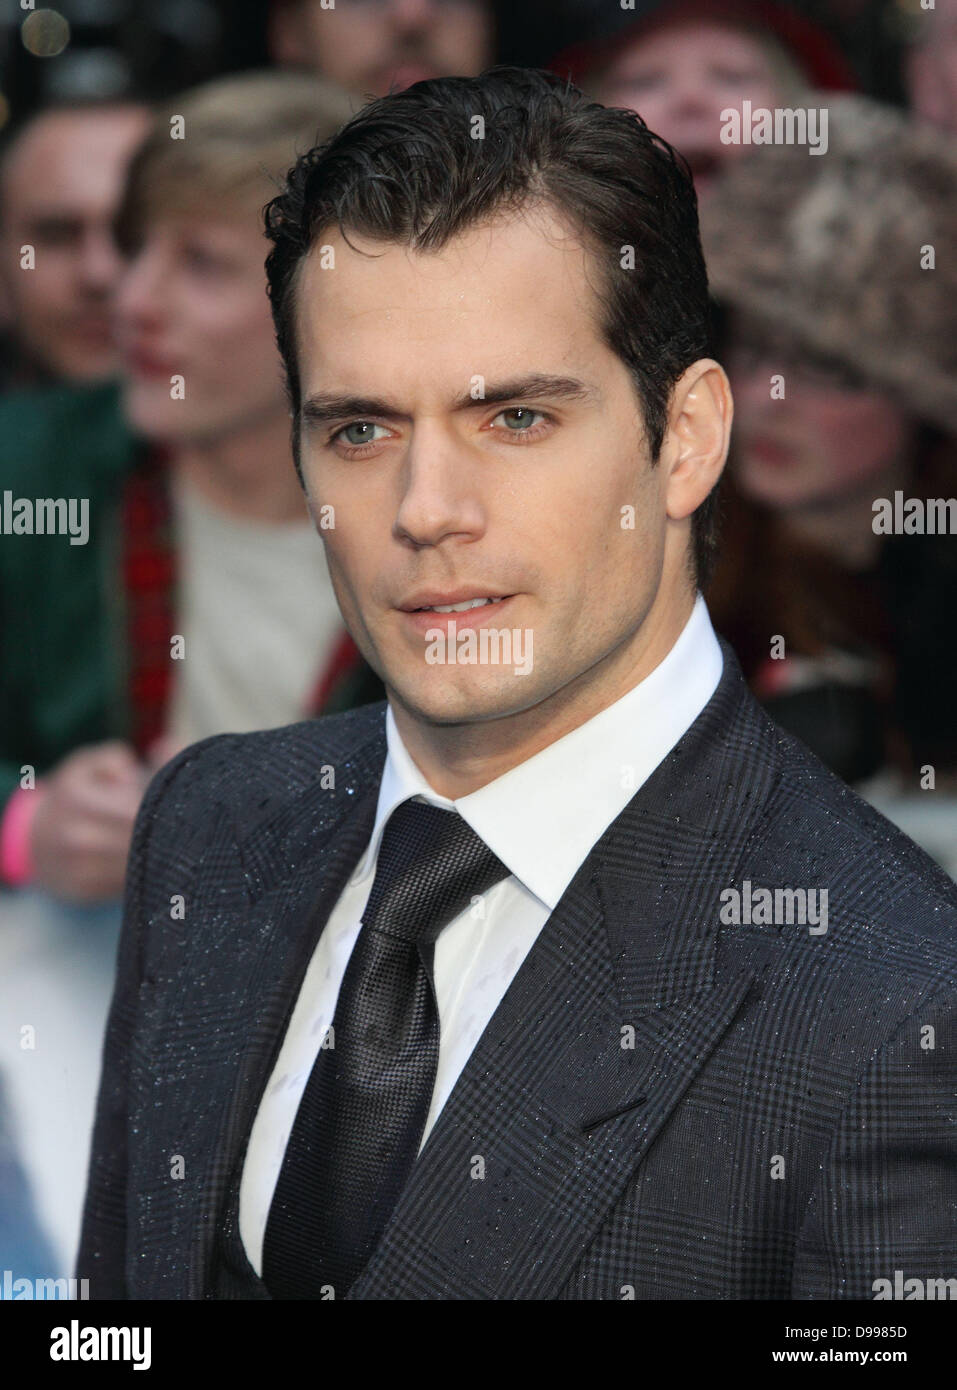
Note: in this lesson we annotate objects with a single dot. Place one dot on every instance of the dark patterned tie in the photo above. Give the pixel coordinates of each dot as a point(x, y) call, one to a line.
point(360, 1122)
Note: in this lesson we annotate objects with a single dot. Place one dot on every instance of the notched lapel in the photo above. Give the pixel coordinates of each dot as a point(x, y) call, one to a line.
point(612, 1015)
point(258, 908)
point(549, 1120)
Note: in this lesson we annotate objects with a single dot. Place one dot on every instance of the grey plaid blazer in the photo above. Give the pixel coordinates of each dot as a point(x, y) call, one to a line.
point(666, 1105)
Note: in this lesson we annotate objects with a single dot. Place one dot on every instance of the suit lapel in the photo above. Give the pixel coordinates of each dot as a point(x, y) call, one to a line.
point(265, 899)
point(613, 1013)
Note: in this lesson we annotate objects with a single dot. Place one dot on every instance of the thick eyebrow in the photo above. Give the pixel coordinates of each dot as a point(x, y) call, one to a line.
point(322, 407)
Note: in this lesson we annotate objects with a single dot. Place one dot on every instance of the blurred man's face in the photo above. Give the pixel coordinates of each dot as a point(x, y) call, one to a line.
point(370, 45)
point(681, 78)
point(444, 494)
point(61, 185)
point(195, 332)
point(829, 438)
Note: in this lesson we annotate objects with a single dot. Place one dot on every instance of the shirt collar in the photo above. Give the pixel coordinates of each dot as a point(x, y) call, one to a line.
point(543, 817)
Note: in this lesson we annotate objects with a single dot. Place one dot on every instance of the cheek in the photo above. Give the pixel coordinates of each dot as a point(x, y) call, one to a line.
point(345, 567)
point(50, 283)
point(227, 317)
point(655, 109)
point(858, 439)
point(351, 548)
point(349, 34)
point(750, 389)
point(760, 92)
point(236, 346)
point(576, 504)
point(606, 525)
point(354, 523)
point(462, 35)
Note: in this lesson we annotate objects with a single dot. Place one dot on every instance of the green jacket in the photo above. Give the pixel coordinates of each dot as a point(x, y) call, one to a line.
point(62, 630)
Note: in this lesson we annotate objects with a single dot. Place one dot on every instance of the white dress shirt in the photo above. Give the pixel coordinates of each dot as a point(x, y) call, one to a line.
point(541, 818)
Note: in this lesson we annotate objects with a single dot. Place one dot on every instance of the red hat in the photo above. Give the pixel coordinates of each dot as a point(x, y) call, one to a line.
point(815, 52)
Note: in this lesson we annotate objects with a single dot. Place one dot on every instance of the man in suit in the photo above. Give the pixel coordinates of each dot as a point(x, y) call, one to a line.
point(563, 973)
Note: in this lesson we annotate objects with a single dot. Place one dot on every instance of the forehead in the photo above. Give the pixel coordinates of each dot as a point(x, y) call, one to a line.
point(75, 157)
point(229, 224)
point(519, 286)
point(710, 42)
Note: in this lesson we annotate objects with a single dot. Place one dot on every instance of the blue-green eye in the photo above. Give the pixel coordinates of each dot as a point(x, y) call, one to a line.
point(357, 425)
point(523, 410)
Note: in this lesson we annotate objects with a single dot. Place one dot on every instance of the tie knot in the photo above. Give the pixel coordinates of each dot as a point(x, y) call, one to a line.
point(431, 864)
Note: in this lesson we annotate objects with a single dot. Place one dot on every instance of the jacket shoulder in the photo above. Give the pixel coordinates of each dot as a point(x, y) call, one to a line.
point(254, 775)
point(888, 899)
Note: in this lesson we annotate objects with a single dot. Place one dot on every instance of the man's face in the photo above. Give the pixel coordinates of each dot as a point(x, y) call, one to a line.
point(192, 305)
point(370, 45)
point(681, 78)
point(61, 187)
point(453, 494)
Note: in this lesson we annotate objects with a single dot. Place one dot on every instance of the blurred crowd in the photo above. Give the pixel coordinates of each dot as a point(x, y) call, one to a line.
point(138, 371)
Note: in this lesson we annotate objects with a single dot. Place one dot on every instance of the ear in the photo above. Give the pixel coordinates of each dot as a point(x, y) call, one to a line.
point(695, 447)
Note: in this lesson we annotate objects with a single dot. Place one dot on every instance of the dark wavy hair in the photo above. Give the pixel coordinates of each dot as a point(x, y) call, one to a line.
point(408, 168)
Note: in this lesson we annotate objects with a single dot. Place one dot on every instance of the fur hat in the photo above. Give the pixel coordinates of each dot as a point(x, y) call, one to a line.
point(829, 249)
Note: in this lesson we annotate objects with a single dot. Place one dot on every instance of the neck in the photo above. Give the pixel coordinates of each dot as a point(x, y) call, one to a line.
point(456, 759)
point(842, 527)
point(247, 473)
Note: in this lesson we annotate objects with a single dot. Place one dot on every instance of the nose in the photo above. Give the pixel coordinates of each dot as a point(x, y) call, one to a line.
point(411, 14)
point(689, 97)
point(100, 263)
point(439, 498)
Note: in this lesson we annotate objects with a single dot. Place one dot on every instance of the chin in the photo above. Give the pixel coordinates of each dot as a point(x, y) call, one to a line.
point(88, 368)
point(464, 698)
point(148, 412)
point(163, 420)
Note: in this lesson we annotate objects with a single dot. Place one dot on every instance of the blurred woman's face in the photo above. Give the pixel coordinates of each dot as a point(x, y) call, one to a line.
point(681, 78)
point(195, 331)
point(831, 437)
